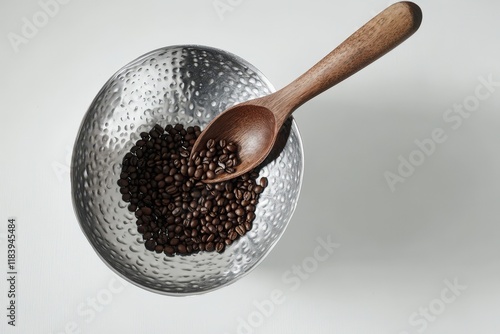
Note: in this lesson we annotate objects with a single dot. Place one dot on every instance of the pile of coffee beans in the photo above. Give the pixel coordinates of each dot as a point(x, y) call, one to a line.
point(177, 213)
point(218, 157)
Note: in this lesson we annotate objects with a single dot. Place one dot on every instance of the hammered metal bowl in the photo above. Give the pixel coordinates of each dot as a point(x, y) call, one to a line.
point(179, 84)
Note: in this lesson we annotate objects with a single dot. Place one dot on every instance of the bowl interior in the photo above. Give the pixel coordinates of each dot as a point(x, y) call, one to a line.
point(178, 84)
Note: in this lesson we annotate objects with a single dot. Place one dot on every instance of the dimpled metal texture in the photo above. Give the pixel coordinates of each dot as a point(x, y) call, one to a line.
point(178, 84)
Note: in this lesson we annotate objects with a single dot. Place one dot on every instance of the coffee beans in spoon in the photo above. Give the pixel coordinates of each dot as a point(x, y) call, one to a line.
point(177, 213)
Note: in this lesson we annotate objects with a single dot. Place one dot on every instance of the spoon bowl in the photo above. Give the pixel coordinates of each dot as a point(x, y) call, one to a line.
point(256, 128)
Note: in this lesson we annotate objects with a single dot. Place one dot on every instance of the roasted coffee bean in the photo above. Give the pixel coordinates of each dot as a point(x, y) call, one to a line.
point(263, 182)
point(231, 147)
point(171, 189)
point(250, 216)
point(219, 170)
point(147, 211)
point(169, 250)
point(150, 244)
point(210, 174)
point(123, 182)
point(239, 211)
point(219, 247)
point(210, 247)
point(240, 230)
point(223, 158)
point(176, 211)
point(232, 235)
point(182, 249)
point(210, 143)
point(198, 173)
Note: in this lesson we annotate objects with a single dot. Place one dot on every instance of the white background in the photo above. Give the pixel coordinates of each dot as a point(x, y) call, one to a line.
point(397, 248)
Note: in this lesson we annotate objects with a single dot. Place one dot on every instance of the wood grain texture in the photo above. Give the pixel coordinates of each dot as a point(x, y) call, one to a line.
point(254, 124)
point(377, 37)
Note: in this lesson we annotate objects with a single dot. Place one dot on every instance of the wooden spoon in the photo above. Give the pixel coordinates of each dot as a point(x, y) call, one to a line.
point(254, 125)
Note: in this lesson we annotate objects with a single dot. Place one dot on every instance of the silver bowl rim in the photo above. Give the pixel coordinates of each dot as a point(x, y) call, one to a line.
point(274, 242)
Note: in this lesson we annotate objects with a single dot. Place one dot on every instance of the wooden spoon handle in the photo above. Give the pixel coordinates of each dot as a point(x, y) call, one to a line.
point(377, 37)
